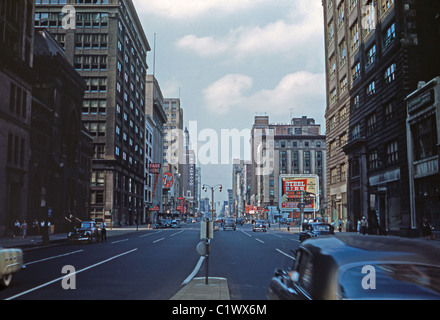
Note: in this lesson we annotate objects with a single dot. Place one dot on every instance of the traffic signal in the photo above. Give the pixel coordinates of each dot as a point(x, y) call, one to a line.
point(220, 188)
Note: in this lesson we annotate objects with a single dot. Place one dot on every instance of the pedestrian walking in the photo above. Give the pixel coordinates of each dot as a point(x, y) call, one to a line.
point(103, 232)
point(35, 228)
point(16, 228)
point(340, 225)
point(364, 225)
point(359, 226)
point(24, 227)
point(426, 229)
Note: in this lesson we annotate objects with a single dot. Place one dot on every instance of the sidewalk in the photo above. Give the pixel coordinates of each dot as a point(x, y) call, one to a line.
point(217, 288)
point(34, 242)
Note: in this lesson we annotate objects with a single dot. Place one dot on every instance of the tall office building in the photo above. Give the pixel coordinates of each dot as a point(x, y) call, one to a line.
point(376, 52)
point(172, 150)
point(105, 42)
point(154, 170)
point(287, 148)
point(16, 78)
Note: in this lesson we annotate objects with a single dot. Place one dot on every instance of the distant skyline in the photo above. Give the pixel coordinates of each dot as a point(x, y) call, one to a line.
point(229, 60)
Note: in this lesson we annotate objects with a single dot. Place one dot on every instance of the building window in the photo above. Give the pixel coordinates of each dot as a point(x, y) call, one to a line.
point(371, 89)
point(390, 73)
point(425, 138)
point(343, 84)
point(356, 71)
point(354, 36)
point(356, 102)
point(331, 30)
point(392, 153)
point(371, 124)
point(371, 56)
point(390, 34)
point(343, 172)
point(333, 95)
point(342, 53)
point(389, 112)
point(373, 159)
point(356, 132)
point(341, 14)
point(386, 4)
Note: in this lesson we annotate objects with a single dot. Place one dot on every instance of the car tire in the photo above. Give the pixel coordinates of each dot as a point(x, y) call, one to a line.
point(5, 281)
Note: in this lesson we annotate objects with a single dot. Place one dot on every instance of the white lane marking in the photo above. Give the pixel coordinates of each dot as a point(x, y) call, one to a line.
point(54, 257)
point(276, 235)
point(259, 240)
point(196, 269)
point(176, 233)
point(293, 258)
point(158, 240)
point(119, 241)
point(149, 234)
point(249, 235)
point(69, 275)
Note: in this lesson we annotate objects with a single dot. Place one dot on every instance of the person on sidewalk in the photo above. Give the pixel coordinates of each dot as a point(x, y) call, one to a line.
point(16, 228)
point(24, 227)
point(103, 232)
point(364, 225)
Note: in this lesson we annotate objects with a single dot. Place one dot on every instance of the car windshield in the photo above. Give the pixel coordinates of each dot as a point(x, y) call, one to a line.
point(391, 281)
point(229, 221)
point(321, 227)
point(86, 225)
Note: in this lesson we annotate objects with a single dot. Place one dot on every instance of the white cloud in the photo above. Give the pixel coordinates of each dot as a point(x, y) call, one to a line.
point(226, 93)
point(188, 9)
point(301, 92)
point(300, 31)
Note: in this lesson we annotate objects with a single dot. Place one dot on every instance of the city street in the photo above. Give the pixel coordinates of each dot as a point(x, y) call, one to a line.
point(153, 265)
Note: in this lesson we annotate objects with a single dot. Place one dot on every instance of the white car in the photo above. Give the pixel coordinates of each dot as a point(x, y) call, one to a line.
point(11, 261)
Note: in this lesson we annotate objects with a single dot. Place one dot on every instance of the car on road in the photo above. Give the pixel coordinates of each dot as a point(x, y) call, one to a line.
point(88, 231)
point(229, 224)
point(176, 224)
point(11, 261)
point(259, 225)
point(359, 267)
point(315, 229)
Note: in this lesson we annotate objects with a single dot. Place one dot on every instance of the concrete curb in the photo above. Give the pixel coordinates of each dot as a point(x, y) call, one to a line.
point(196, 289)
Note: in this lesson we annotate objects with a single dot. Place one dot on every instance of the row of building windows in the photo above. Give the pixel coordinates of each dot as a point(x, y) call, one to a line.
point(91, 41)
point(82, 20)
point(90, 62)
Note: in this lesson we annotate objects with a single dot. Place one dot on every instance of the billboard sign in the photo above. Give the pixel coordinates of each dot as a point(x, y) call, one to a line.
point(167, 180)
point(294, 187)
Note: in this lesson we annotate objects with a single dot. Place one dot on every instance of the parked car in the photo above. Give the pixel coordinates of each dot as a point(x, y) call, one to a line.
point(11, 261)
point(315, 229)
point(229, 224)
point(259, 225)
point(88, 231)
point(352, 266)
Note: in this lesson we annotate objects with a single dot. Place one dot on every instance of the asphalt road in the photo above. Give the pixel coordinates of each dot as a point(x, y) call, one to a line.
point(152, 265)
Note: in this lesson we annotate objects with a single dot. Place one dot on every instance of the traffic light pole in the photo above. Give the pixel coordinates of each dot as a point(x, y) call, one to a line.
point(205, 188)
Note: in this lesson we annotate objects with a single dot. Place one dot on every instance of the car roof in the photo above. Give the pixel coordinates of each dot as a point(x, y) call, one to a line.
point(347, 248)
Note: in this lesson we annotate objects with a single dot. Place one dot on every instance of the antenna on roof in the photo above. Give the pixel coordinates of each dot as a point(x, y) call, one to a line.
point(154, 56)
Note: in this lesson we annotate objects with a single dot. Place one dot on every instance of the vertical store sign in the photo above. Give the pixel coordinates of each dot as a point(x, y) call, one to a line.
point(154, 168)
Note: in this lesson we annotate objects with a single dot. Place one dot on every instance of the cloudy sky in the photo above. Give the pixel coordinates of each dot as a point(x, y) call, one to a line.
point(229, 60)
